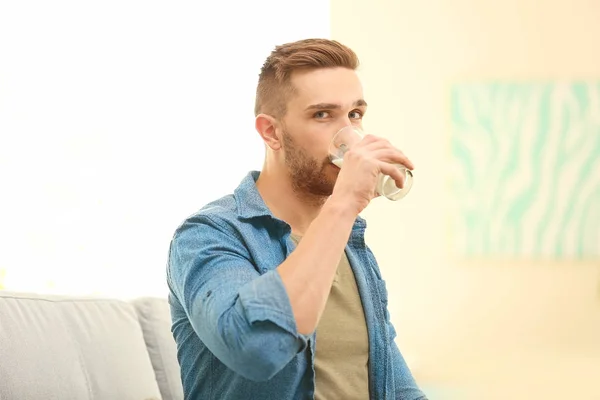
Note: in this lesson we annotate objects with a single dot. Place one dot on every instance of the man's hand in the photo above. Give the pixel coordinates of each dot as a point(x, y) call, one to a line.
point(362, 165)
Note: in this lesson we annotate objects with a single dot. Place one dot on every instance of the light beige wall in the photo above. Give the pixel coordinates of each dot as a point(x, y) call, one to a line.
point(513, 330)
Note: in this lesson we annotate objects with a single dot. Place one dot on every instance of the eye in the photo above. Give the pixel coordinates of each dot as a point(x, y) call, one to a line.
point(321, 114)
point(356, 114)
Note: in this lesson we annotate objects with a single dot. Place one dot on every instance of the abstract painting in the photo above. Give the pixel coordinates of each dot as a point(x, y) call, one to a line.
point(526, 170)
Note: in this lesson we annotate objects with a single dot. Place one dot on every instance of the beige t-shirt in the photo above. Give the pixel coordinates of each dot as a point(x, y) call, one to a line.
point(342, 344)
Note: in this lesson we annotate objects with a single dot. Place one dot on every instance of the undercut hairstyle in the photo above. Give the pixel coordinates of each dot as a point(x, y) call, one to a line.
point(274, 86)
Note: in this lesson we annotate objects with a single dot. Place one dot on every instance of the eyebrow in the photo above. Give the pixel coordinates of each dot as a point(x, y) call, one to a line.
point(333, 106)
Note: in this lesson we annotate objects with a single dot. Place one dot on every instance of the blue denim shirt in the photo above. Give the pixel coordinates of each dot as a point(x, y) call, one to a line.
point(232, 319)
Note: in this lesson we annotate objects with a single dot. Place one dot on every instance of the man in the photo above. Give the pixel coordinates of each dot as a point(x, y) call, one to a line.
point(273, 292)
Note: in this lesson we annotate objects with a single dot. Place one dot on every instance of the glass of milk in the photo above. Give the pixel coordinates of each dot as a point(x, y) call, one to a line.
point(344, 139)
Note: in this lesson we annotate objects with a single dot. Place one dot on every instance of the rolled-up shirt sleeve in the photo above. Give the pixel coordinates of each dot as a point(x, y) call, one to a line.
point(244, 318)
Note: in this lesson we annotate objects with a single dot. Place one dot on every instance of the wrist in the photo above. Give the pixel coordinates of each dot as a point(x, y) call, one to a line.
point(341, 207)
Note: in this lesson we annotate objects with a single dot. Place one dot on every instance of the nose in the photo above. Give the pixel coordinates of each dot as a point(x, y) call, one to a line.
point(345, 123)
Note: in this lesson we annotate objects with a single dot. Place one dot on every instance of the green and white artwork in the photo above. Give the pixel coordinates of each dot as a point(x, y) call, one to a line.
point(526, 170)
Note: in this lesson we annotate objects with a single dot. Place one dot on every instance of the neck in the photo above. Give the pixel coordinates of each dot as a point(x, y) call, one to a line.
point(286, 204)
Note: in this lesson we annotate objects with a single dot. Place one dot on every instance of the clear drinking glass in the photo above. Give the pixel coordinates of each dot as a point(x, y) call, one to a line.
point(343, 141)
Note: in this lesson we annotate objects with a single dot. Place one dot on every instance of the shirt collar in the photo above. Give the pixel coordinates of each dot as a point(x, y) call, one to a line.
point(248, 200)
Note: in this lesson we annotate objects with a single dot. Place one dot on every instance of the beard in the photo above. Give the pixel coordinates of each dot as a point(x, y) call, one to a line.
point(309, 176)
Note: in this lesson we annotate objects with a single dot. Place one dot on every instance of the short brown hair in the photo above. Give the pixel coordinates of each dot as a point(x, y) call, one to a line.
point(274, 88)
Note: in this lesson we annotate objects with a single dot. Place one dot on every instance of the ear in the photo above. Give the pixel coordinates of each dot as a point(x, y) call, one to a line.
point(266, 126)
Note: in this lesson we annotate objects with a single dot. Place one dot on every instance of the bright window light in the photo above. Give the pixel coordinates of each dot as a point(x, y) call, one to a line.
point(118, 119)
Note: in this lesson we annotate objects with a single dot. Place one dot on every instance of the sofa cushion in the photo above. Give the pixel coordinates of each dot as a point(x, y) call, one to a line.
point(155, 317)
point(72, 348)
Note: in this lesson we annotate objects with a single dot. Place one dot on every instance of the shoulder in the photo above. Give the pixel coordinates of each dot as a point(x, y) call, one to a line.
point(220, 215)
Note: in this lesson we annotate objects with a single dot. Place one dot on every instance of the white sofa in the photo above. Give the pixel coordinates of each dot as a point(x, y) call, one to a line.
point(84, 348)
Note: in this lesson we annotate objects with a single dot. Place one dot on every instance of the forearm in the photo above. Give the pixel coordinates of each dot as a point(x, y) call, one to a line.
point(309, 271)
